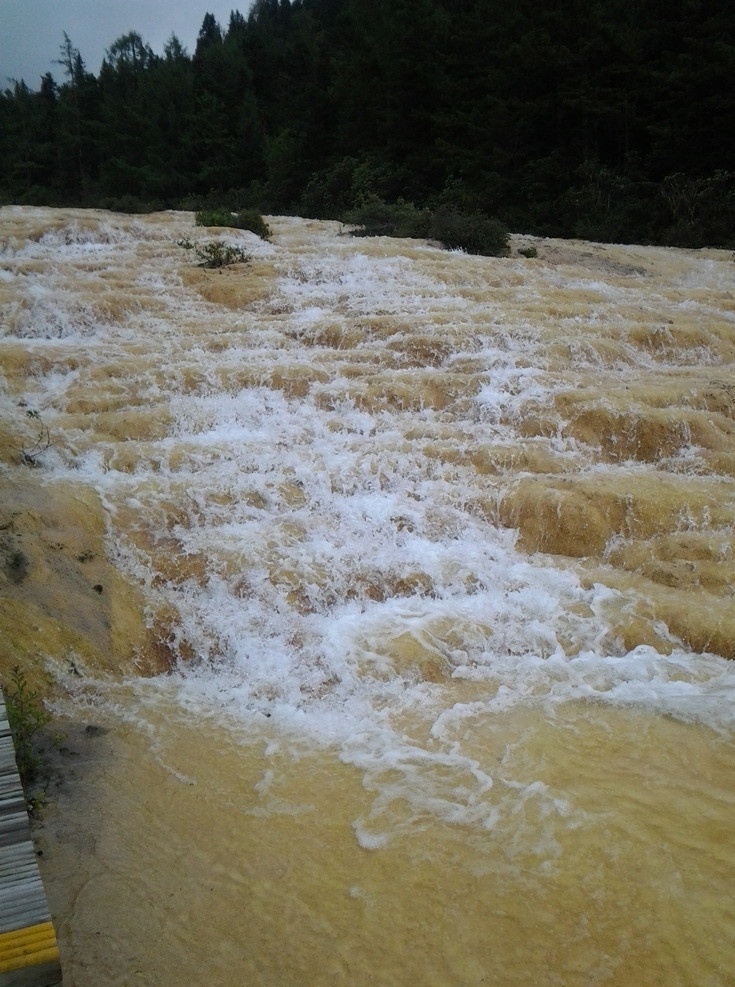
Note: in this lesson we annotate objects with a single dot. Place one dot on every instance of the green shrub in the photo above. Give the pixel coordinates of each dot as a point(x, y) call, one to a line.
point(379, 218)
point(250, 219)
point(130, 204)
point(345, 185)
point(473, 232)
point(329, 193)
point(456, 230)
point(215, 253)
point(214, 217)
point(528, 252)
point(246, 219)
point(26, 717)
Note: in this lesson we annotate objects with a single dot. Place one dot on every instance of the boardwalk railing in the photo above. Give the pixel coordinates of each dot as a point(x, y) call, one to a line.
point(29, 955)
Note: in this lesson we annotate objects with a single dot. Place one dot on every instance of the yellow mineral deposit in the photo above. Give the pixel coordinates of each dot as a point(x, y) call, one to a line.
point(384, 596)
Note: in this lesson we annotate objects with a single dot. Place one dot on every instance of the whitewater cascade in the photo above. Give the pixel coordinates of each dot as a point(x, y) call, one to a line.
point(434, 556)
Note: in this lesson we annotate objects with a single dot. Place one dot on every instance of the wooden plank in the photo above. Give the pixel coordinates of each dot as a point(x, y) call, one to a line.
point(29, 953)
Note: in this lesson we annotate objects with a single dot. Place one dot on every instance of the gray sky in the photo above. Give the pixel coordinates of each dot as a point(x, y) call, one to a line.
point(31, 31)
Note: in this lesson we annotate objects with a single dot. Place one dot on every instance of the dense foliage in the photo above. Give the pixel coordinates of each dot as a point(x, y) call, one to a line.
point(453, 228)
point(245, 219)
point(596, 118)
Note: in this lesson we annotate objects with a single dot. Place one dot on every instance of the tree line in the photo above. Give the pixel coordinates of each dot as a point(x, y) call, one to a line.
point(602, 119)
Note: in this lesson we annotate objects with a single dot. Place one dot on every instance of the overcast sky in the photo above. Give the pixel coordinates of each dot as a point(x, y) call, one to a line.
point(32, 31)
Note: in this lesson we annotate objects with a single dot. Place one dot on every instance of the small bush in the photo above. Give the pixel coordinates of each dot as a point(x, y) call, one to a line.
point(379, 218)
point(16, 566)
point(250, 219)
point(246, 219)
point(215, 253)
point(26, 717)
point(130, 204)
point(32, 455)
point(346, 185)
point(214, 217)
point(474, 232)
point(528, 252)
point(329, 193)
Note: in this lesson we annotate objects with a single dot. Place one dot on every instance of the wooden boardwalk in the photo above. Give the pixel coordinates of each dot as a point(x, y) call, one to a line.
point(29, 955)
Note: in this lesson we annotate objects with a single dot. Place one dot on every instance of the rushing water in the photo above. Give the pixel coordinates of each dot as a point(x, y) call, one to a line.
point(441, 548)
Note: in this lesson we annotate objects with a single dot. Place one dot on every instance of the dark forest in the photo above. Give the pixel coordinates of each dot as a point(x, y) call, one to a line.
point(603, 119)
